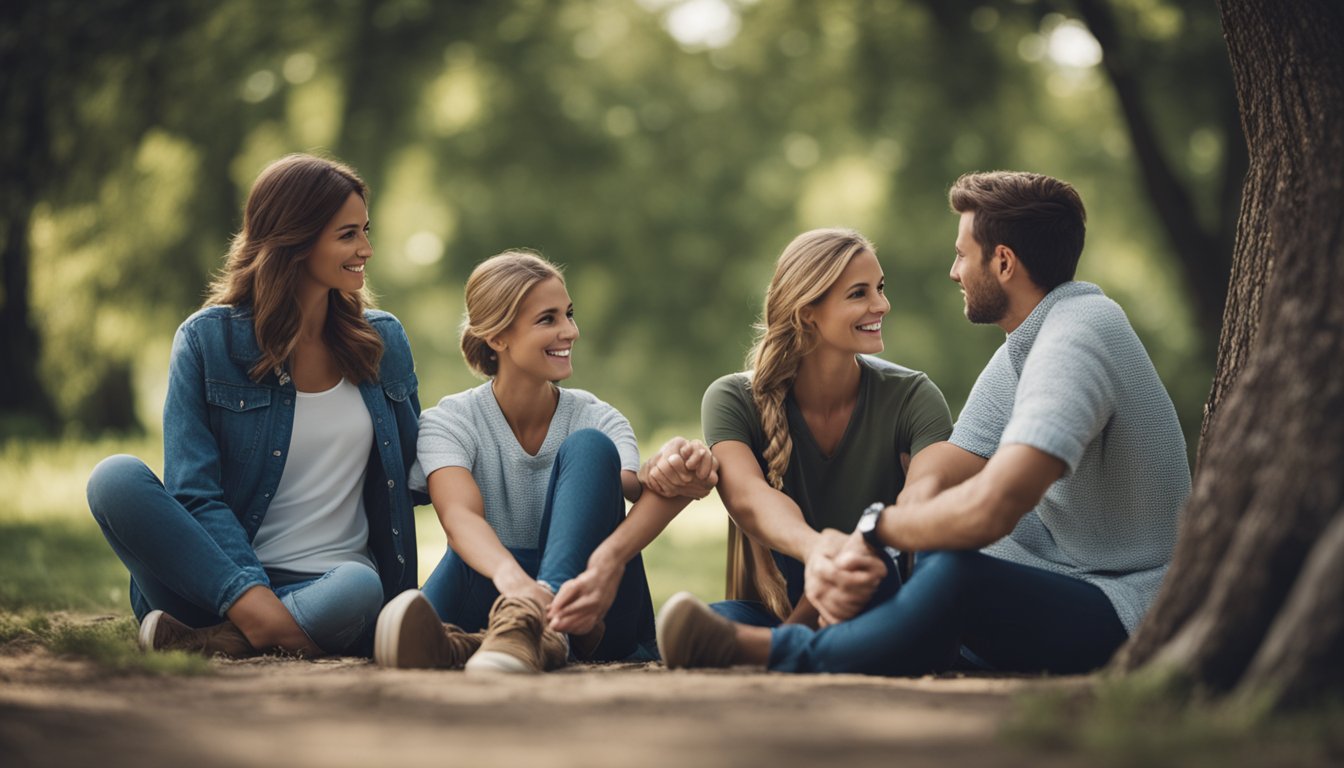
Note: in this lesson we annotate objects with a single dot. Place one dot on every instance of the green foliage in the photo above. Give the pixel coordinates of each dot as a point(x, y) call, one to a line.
point(108, 641)
point(1157, 719)
point(666, 174)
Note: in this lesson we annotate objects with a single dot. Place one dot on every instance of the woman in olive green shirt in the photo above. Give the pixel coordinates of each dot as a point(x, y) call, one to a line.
point(816, 432)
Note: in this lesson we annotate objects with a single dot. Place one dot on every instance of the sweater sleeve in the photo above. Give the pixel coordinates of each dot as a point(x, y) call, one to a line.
point(1067, 391)
point(447, 439)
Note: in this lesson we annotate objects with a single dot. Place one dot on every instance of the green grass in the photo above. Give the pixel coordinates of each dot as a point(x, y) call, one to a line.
point(107, 641)
point(1151, 719)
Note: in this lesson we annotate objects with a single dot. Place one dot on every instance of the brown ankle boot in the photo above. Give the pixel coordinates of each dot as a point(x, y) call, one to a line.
point(409, 635)
point(513, 642)
point(585, 645)
point(161, 632)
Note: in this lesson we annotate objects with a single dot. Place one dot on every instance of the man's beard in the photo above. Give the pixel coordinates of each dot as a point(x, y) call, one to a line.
point(986, 304)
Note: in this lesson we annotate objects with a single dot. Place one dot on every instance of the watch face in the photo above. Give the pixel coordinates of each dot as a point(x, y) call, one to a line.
point(868, 522)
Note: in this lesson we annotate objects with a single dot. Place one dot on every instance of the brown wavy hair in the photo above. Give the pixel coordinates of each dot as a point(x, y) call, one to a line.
point(290, 204)
point(494, 291)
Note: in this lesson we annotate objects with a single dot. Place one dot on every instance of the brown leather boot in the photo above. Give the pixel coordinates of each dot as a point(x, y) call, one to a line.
point(514, 640)
point(161, 632)
point(585, 645)
point(409, 635)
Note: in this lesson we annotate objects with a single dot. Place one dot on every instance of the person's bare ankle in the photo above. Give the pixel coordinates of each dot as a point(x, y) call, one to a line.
point(267, 623)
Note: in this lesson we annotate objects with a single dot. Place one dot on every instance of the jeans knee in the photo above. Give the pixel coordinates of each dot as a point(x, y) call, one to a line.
point(590, 446)
point(114, 485)
point(362, 589)
point(341, 607)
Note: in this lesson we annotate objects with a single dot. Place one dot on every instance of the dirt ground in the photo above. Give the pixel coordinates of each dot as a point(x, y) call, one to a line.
point(338, 712)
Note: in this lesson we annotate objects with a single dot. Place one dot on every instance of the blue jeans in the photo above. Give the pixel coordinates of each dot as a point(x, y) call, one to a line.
point(1013, 617)
point(178, 568)
point(584, 504)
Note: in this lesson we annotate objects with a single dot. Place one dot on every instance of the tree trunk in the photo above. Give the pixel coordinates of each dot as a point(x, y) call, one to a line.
point(24, 404)
point(1250, 579)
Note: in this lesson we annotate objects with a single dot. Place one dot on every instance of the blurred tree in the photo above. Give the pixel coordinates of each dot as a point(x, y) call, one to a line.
point(1253, 597)
point(665, 169)
point(1201, 237)
point(49, 50)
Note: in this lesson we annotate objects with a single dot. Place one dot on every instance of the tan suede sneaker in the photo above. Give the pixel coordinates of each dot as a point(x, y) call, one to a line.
point(514, 640)
point(692, 635)
point(161, 632)
point(409, 635)
point(554, 649)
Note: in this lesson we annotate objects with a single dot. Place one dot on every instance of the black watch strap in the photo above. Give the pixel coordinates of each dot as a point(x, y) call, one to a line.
point(869, 523)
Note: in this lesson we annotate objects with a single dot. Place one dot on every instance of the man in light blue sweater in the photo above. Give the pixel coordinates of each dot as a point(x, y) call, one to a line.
point(1045, 524)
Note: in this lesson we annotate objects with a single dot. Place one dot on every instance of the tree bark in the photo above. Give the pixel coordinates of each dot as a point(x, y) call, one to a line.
point(1269, 484)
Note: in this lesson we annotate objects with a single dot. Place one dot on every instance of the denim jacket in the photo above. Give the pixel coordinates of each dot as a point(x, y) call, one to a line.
point(226, 438)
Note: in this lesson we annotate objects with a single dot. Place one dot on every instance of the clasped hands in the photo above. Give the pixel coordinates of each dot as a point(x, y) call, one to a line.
point(841, 574)
point(681, 468)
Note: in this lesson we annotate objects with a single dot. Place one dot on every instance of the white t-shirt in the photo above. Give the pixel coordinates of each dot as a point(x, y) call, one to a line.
point(316, 520)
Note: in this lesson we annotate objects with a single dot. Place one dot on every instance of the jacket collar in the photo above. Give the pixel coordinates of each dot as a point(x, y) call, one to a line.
point(1021, 340)
point(242, 343)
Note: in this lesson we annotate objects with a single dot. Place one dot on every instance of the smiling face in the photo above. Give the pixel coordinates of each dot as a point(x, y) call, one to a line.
point(986, 300)
point(539, 340)
point(849, 315)
point(338, 257)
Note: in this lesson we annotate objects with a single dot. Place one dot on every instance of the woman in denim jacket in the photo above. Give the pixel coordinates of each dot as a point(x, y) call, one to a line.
point(283, 520)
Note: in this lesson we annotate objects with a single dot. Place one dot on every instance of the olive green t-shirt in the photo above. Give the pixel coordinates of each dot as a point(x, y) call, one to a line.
point(898, 411)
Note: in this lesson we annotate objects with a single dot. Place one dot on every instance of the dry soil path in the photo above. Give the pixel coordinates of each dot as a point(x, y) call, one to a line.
point(341, 712)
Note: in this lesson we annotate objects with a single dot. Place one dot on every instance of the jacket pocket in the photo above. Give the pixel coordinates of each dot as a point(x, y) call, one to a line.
point(401, 389)
point(241, 412)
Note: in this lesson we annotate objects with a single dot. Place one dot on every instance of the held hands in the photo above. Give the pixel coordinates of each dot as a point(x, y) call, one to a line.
point(584, 599)
point(841, 575)
point(681, 468)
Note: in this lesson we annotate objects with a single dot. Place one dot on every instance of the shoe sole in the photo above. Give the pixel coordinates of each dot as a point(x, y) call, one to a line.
point(670, 623)
point(149, 626)
point(409, 610)
point(496, 662)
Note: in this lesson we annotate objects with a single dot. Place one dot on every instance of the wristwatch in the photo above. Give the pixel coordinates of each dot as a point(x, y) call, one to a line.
point(868, 523)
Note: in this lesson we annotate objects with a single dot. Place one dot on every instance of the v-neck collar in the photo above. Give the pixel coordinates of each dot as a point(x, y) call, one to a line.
point(802, 431)
point(553, 438)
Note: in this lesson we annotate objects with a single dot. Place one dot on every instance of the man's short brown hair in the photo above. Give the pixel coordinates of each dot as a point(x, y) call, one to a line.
point(1040, 218)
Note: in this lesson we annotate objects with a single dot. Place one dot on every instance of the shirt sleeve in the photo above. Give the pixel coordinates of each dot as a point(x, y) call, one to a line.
point(447, 439)
point(614, 425)
point(1067, 391)
point(983, 418)
point(193, 466)
point(925, 419)
point(727, 413)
